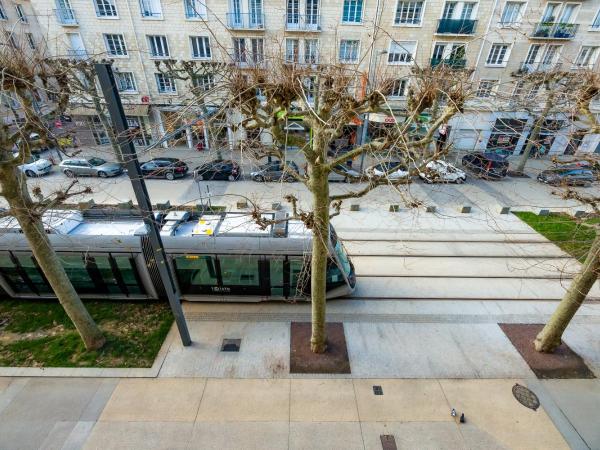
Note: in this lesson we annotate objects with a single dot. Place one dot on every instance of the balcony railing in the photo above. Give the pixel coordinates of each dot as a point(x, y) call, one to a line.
point(66, 17)
point(552, 30)
point(453, 63)
point(526, 67)
point(456, 26)
point(246, 21)
point(301, 22)
point(78, 53)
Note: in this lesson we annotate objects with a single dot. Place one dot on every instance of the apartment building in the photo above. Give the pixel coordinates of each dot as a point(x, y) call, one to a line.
point(497, 38)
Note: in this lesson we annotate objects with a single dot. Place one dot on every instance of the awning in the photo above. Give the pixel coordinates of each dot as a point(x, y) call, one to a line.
point(89, 110)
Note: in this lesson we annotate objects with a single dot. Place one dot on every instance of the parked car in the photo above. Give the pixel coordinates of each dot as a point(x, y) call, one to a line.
point(569, 177)
point(168, 168)
point(94, 167)
point(275, 171)
point(486, 165)
point(392, 170)
point(219, 169)
point(442, 172)
point(35, 166)
point(343, 173)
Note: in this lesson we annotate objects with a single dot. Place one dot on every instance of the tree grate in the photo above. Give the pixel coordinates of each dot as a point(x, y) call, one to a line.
point(231, 345)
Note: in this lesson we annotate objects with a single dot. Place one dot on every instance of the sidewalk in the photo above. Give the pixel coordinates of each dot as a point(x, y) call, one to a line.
point(264, 414)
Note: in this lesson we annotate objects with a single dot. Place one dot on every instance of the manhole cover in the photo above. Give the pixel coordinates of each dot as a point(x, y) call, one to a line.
point(377, 390)
point(231, 345)
point(525, 397)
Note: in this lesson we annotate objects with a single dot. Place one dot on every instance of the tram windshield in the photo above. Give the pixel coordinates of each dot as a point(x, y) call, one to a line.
point(340, 253)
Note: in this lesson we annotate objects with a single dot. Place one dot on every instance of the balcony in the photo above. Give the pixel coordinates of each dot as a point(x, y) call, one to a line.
point(456, 26)
point(453, 63)
point(301, 22)
point(246, 21)
point(66, 17)
point(552, 30)
point(77, 53)
point(526, 68)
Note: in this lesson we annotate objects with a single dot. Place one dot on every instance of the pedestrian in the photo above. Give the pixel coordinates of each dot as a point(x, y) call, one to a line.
point(442, 138)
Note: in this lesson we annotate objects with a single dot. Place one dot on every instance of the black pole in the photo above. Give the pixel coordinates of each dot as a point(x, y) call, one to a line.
point(119, 122)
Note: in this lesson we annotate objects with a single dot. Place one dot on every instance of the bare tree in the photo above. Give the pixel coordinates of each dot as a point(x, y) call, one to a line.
point(22, 76)
point(551, 335)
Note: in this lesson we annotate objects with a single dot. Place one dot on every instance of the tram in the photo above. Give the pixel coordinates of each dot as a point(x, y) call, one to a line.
point(214, 256)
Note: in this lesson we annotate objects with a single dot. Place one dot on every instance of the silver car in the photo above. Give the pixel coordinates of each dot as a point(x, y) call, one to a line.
point(92, 167)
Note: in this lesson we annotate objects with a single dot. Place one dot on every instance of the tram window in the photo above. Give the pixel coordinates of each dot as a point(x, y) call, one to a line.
point(334, 275)
point(297, 276)
point(240, 270)
point(105, 270)
point(78, 274)
point(128, 272)
point(195, 270)
point(276, 275)
point(10, 273)
point(31, 269)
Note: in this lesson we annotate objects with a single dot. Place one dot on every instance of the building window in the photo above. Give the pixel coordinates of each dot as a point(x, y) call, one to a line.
point(204, 82)
point(353, 10)
point(459, 10)
point(241, 54)
point(115, 44)
point(2, 13)
point(105, 8)
point(586, 57)
point(349, 51)
point(596, 23)
point(200, 47)
point(195, 9)
point(11, 41)
point(30, 40)
point(398, 88)
point(258, 52)
point(151, 9)
point(409, 13)
point(402, 52)
point(158, 46)
point(498, 55)
point(21, 13)
point(512, 13)
point(485, 88)
point(533, 92)
point(311, 51)
point(165, 84)
point(292, 49)
point(125, 82)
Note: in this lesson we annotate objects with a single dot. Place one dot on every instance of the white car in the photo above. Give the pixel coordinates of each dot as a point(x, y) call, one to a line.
point(35, 166)
point(442, 172)
point(392, 170)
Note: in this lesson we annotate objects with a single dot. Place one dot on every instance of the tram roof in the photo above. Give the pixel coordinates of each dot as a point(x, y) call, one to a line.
point(176, 223)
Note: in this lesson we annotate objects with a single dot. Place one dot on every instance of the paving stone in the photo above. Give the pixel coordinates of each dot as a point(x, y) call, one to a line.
point(579, 400)
point(402, 400)
point(413, 435)
point(585, 340)
point(240, 435)
point(54, 399)
point(245, 400)
point(490, 409)
point(24, 434)
point(325, 436)
point(140, 435)
point(57, 435)
point(4, 382)
point(155, 400)
point(322, 400)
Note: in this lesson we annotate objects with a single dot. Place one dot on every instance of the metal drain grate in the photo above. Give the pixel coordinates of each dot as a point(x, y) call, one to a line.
point(388, 442)
point(377, 390)
point(526, 397)
point(231, 345)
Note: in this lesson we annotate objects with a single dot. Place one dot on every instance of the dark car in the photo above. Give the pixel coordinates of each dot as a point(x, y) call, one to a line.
point(169, 168)
point(275, 171)
point(486, 165)
point(219, 169)
point(568, 177)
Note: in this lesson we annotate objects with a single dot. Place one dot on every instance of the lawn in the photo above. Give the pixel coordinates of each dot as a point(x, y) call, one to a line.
point(37, 333)
point(572, 235)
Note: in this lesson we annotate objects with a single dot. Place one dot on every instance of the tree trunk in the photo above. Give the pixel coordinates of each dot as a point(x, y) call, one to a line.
point(535, 133)
point(319, 187)
point(550, 337)
point(14, 190)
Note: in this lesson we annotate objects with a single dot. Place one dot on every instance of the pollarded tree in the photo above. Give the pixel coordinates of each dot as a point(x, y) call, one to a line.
point(327, 98)
point(551, 335)
point(21, 77)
